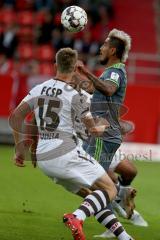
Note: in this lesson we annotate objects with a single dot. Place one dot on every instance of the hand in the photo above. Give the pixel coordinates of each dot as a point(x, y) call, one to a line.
point(79, 63)
point(101, 125)
point(99, 121)
point(97, 131)
point(81, 68)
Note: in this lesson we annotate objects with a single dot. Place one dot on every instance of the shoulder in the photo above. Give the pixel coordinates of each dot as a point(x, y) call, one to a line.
point(86, 94)
point(111, 74)
point(114, 74)
point(39, 86)
point(112, 71)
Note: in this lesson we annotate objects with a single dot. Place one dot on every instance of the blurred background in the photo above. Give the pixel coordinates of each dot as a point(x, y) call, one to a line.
point(31, 33)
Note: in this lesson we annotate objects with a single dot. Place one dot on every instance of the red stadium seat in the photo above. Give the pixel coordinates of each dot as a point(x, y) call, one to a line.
point(40, 18)
point(26, 18)
point(24, 4)
point(7, 16)
point(47, 69)
point(25, 51)
point(57, 19)
point(45, 53)
point(26, 34)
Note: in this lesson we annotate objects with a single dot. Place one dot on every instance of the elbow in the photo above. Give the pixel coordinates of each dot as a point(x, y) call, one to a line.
point(108, 93)
point(12, 119)
point(110, 90)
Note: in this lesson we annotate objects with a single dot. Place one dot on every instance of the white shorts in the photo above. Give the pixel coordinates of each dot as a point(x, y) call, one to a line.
point(74, 170)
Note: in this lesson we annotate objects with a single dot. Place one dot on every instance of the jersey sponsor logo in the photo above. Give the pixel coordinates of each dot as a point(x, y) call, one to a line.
point(114, 76)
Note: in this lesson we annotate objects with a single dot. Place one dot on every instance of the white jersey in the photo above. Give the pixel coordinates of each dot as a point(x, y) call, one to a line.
point(55, 105)
point(79, 126)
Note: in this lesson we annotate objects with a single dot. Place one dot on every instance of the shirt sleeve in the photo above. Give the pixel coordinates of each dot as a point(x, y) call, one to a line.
point(87, 95)
point(80, 105)
point(32, 96)
point(112, 75)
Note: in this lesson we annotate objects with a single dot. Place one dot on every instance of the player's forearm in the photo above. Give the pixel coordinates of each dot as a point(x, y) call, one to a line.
point(16, 137)
point(17, 121)
point(100, 85)
point(17, 126)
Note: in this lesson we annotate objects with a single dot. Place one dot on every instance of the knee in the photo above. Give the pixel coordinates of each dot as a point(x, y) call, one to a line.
point(83, 192)
point(112, 191)
point(127, 171)
point(132, 173)
point(105, 184)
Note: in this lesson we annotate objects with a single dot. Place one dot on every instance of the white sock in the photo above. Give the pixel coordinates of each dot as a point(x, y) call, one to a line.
point(80, 214)
point(124, 236)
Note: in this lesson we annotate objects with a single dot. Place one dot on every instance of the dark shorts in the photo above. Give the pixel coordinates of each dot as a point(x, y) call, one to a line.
point(102, 151)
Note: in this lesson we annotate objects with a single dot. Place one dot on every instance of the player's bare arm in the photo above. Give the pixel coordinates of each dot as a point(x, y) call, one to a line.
point(108, 88)
point(17, 123)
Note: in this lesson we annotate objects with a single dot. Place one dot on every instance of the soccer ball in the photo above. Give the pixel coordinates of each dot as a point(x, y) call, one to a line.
point(74, 19)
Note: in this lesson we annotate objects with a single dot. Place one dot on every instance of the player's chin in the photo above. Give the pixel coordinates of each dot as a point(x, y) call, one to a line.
point(103, 60)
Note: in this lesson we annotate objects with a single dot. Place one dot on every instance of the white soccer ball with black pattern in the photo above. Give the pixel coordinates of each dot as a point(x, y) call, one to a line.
point(74, 19)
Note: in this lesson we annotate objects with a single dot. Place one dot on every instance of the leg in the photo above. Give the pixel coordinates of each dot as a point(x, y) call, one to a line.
point(104, 152)
point(101, 192)
point(95, 203)
point(77, 170)
point(127, 171)
point(126, 194)
point(113, 176)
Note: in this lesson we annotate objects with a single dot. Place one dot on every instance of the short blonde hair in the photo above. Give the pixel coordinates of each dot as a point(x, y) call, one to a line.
point(66, 59)
point(115, 33)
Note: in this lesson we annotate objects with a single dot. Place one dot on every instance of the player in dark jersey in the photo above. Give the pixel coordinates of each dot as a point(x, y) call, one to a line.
point(109, 94)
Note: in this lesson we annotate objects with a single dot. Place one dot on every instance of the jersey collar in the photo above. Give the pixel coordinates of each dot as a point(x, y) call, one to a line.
point(117, 65)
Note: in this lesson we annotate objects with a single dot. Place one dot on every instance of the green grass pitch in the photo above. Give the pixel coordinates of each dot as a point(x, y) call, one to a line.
point(31, 205)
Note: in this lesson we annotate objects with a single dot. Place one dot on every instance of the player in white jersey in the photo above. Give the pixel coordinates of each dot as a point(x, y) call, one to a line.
point(59, 155)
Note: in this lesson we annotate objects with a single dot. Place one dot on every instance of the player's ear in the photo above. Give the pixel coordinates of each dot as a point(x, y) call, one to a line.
point(113, 51)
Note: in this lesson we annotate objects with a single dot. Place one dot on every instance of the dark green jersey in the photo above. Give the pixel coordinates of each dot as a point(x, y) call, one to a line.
point(108, 107)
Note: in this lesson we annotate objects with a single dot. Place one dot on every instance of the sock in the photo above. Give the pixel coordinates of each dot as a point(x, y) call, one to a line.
point(124, 182)
point(124, 236)
point(107, 218)
point(92, 204)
